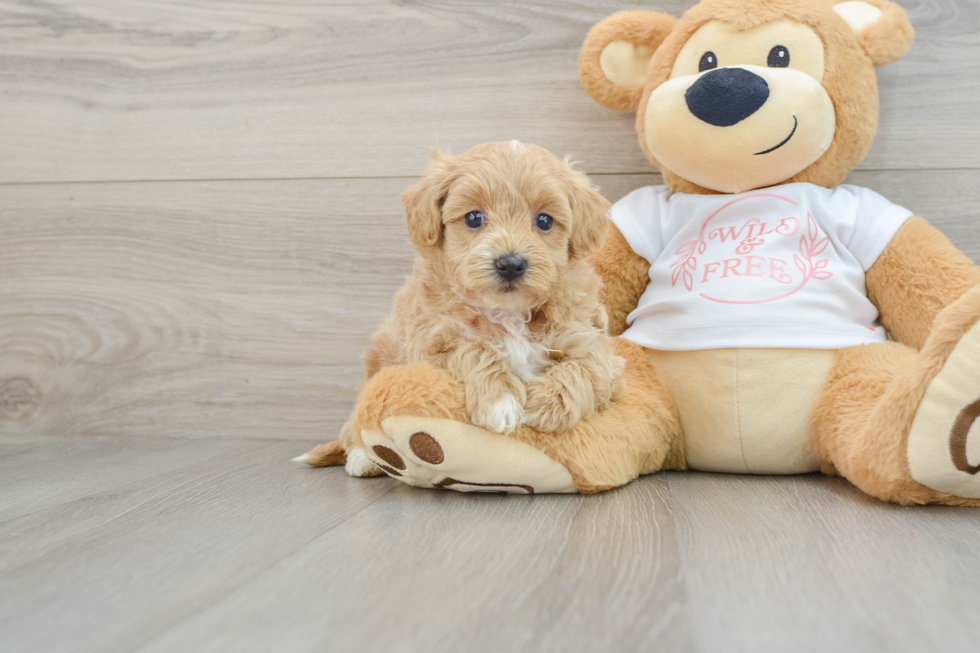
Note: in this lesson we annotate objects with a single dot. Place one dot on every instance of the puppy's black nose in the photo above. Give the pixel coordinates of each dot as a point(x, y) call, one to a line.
point(511, 266)
point(727, 96)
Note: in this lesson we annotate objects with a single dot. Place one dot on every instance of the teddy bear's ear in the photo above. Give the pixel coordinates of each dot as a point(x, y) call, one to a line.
point(423, 202)
point(616, 54)
point(882, 28)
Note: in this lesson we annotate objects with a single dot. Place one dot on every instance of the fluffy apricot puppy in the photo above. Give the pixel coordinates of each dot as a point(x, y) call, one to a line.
point(501, 295)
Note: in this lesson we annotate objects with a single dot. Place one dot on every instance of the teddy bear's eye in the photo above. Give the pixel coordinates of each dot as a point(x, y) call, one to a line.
point(779, 57)
point(709, 61)
point(474, 220)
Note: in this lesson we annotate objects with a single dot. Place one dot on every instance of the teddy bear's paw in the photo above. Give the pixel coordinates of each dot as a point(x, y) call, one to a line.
point(442, 453)
point(944, 443)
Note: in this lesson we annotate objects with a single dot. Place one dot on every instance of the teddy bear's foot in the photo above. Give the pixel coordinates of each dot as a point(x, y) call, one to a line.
point(442, 453)
point(944, 443)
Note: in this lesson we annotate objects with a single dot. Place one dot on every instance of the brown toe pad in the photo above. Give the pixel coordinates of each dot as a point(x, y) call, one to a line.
point(427, 448)
point(389, 456)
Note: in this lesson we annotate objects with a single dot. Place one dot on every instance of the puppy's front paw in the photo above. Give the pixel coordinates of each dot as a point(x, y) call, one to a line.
point(503, 416)
point(554, 405)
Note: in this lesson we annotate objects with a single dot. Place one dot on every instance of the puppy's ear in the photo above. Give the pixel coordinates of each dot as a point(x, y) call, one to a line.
point(882, 28)
point(614, 59)
point(590, 217)
point(423, 202)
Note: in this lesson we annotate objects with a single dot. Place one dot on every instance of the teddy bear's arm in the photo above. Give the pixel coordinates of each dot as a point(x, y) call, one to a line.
point(918, 274)
point(625, 275)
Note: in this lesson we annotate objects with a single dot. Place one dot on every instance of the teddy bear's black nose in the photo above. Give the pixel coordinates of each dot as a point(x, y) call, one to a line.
point(511, 266)
point(726, 96)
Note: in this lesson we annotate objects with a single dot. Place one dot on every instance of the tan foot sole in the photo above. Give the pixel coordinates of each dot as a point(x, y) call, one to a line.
point(441, 453)
point(944, 443)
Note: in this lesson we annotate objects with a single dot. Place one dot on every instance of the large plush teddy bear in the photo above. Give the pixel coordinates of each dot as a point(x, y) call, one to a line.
point(754, 293)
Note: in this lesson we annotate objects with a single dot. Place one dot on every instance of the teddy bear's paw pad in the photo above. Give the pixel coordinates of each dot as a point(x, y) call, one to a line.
point(442, 453)
point(944, 443)
point(359, 465)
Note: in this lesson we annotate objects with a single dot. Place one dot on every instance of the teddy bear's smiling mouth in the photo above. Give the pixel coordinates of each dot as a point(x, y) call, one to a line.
point(796, 123)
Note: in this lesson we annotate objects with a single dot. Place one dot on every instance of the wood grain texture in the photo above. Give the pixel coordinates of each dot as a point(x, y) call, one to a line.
point(144, 308)
point(56, 471)
point(235, 308)
point(242, 551)
point(124, 562)
point(811, 563)
point(113, 89)
point(185, 326)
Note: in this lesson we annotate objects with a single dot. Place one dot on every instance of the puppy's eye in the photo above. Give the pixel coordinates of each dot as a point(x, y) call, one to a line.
point(544, 222)
point(474, 220)
point(779, 57)
point(708, 61)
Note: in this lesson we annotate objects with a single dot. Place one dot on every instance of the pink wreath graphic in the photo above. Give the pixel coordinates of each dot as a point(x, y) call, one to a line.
point(685, 266)
point(809, 248)
point(807, 261)
point(811, 268)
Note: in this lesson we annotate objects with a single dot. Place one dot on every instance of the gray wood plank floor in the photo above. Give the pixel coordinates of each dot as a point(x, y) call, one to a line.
point(165, 544)
point(199, 228)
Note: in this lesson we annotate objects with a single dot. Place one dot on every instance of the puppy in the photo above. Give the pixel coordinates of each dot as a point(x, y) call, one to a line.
point(501, 295)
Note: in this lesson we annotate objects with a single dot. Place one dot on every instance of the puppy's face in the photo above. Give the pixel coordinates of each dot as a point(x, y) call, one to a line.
point(505, 220)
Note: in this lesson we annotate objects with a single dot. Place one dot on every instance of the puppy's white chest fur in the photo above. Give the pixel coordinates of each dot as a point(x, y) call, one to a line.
point(527, 357)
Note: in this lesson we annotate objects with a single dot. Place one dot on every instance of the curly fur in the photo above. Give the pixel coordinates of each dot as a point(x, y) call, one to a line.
point(534, 351)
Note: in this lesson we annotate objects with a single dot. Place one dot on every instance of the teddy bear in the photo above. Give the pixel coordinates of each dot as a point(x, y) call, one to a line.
point(773, 319)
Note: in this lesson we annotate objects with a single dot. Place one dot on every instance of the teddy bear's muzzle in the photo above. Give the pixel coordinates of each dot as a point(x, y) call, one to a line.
point(738, 128)
point(727, 96)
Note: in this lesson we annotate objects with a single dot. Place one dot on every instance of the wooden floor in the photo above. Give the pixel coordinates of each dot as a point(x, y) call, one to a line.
point(120, 544)
point(199, 228)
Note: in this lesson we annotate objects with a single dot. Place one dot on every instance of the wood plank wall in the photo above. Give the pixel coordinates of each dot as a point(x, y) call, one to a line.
point(199, 219)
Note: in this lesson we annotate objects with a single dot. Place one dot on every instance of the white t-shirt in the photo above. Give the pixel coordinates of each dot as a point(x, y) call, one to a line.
point(781, 267)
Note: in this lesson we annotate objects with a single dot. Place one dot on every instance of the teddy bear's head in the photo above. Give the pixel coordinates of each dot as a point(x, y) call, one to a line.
point(743, 94)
